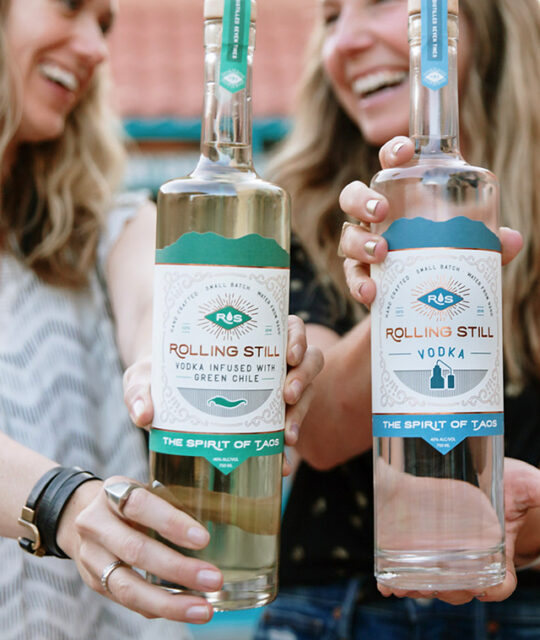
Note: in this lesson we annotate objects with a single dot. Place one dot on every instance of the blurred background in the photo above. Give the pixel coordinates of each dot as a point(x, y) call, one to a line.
point(157, 62)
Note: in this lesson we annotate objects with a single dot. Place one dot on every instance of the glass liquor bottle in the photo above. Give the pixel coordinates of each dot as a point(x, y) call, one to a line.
point(437, 342)
point(220, 329)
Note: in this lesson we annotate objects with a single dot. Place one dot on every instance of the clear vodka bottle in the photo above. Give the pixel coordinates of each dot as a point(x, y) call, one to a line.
point(437, 342)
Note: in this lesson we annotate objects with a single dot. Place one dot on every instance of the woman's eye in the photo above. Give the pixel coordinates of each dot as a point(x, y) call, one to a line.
point(330, 16)
point(106, 24)
point(73, 5)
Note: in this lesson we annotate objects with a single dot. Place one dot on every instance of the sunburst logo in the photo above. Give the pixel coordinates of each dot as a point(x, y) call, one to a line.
point(441, 299)
point(228, 317)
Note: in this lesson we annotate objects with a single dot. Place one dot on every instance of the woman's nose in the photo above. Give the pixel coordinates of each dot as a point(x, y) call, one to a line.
point(89, 42)
point(352, 31)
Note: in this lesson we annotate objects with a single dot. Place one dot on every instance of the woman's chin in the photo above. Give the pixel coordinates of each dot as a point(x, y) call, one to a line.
point(377, 134)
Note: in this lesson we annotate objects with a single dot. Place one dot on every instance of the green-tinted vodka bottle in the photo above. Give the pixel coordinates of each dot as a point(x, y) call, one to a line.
point(220, 329)
point(437, 342)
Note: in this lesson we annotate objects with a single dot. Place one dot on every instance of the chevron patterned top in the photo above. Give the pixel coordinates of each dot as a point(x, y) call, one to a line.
point(61, 394)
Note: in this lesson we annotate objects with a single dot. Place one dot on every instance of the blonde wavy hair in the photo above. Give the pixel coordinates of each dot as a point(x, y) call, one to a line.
point(500, 120)
point(54, 201)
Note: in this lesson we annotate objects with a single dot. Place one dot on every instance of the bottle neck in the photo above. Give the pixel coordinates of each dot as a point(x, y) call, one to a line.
point(434, 112)
point(227, 119)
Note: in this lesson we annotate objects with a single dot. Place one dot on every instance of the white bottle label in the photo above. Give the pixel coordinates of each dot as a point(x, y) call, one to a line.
point(436, 341)
point(220, 363)
point(219, 352)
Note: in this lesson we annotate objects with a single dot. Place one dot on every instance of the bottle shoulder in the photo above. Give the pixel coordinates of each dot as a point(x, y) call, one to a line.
point(445, 173)
point(439, 191)
point(220, 181)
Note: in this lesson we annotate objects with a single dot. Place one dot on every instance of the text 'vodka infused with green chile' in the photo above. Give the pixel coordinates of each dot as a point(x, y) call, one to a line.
point(437, 342)
point(220, 330)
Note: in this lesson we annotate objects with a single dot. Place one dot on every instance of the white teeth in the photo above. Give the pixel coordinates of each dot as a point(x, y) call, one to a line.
point(63, 77)
point(378, 80)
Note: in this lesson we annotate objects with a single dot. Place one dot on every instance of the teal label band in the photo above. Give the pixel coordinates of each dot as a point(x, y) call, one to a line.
point(225, 452)
point(234, 49)
point(443, 432)
point(458, 233)
point(210, 248)
point(434, 43)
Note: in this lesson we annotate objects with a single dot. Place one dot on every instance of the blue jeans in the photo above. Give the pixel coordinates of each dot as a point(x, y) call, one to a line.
point(339, 612)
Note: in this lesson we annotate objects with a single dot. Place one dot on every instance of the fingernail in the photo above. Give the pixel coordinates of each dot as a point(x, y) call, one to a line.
point(208, 579)
point(371, 206)
point(370, 246)
point(361, 290)
point(397, 148)
point(138, 409)
point(196, 535)
point(198, 614)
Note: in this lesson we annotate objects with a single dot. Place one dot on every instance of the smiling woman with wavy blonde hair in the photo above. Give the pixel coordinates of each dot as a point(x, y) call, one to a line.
point(500, 130)
point(69, 314)
point(76, 284)
point(54, 226)
point(354, 97)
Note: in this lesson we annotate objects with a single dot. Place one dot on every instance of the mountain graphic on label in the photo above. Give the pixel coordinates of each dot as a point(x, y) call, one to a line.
point(224, 402)
point(440, 299)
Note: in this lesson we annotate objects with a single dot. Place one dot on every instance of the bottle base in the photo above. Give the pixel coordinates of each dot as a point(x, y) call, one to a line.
point(436, 571)
point(238, 591)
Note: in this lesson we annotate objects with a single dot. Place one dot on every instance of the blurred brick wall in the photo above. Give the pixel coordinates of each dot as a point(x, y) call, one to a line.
point(157, 56)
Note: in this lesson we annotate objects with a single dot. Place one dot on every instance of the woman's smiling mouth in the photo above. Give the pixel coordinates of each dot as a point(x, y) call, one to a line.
point(368, 85)
point(60, 76)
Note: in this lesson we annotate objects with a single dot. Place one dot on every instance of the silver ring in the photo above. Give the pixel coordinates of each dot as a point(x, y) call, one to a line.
point(107, 573)
point(118, 493)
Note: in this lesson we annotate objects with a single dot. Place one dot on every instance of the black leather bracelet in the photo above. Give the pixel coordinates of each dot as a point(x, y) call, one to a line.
point(53, 502)
point(28, 514)
point(44, 508)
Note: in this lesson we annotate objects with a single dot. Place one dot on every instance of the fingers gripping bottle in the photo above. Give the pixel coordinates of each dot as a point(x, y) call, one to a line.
point(437, 342)
point(220, 330)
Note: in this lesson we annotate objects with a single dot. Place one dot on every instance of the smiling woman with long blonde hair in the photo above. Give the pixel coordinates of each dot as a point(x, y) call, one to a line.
point(354, 97)
point(500, 130)
point(76, 273)
point(63, 258)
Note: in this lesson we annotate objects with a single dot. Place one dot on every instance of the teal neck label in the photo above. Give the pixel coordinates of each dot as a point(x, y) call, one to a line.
point(235, 41)
point(434, 43)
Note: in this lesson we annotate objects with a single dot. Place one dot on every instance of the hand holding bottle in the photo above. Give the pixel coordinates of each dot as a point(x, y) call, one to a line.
point(361, 248)
point(99, 537)
point(522, 494)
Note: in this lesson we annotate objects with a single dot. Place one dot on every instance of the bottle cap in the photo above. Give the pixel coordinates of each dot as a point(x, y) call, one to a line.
point(414, 6)
point(213, 9)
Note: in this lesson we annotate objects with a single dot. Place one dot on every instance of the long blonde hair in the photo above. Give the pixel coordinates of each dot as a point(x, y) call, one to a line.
point(500, 120)
point(54, 201)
